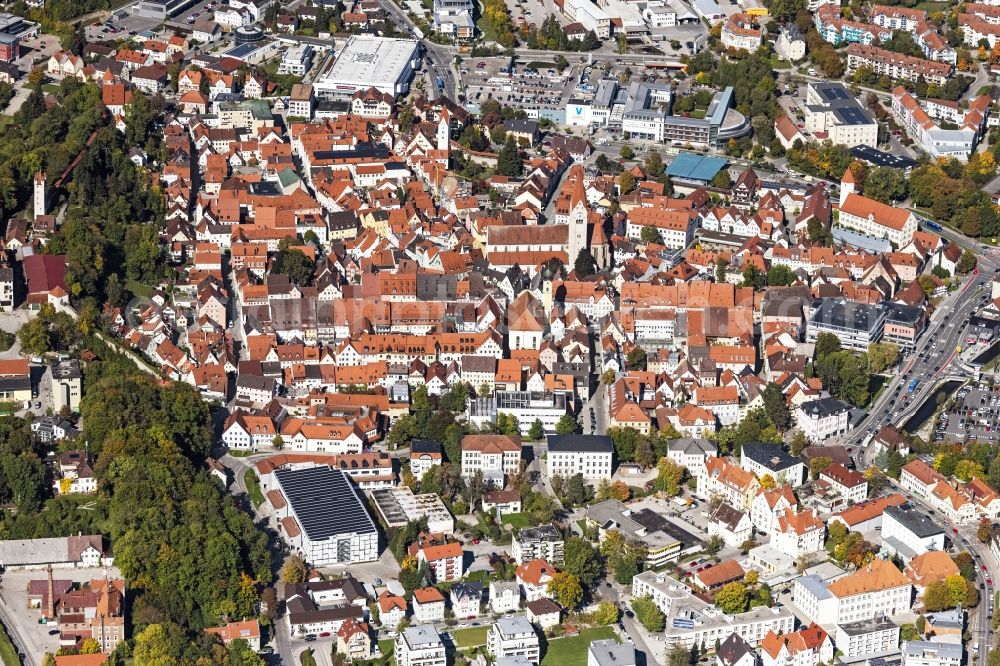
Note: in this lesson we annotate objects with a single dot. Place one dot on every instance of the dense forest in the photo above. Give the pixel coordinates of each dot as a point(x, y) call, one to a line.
point(192, 557)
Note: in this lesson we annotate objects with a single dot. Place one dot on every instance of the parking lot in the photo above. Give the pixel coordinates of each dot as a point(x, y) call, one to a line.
point(976, 415)
point(532, 86)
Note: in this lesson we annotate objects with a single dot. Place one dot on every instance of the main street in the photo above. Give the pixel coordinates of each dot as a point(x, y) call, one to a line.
point(930, 360)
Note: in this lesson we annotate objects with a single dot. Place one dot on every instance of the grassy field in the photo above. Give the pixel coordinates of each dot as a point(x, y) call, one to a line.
point(8, 653)
point(778, 63)
point(387, 647)
point(932, 6)
point(573, 650)
point(472, 637)
point(138, 288)
point(517, 520)
point(253, 488)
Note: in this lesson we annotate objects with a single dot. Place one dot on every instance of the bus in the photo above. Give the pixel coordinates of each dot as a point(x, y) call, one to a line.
point(933, 226)
point(913, 386)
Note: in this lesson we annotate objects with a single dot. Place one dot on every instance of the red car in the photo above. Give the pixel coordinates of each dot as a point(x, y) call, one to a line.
point(325, 634)
point(475, 542)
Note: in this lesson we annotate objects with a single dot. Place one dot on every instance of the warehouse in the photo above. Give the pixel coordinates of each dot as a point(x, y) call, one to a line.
point(367, 61)
point(321, 516)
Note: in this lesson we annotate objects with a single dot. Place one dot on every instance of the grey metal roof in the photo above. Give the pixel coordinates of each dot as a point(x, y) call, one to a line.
point(324, 501)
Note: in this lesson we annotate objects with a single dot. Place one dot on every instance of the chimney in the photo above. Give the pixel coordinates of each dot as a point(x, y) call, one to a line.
point(50, 609)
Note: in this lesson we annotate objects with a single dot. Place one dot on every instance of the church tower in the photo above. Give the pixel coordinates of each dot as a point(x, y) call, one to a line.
point(578, 216)
point(846, 185)
point(39, 199)
point(444, 130)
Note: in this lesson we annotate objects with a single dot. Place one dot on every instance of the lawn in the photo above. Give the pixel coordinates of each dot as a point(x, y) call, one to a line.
point(471, 637)
point(8, 653)
point(138, 288)
point(699, 113)
point(253, 488)
point(517, 520)
point(932, 6)
point(573, 650)
point(52, 88)
point(778, 63)
point(387, 647)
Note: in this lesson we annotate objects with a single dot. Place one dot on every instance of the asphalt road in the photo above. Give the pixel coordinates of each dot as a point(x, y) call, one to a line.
point(931, 360)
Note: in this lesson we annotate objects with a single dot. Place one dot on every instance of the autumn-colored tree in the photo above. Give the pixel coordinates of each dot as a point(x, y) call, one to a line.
point(669, 476)
point(985, 531)
point(294, 570)
point(966, 470)
point(565, 588)
point(732, 598)
point(767, 482)
point(90, 646)
point(606, 613)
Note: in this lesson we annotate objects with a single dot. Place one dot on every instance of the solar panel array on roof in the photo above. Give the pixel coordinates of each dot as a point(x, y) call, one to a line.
point(241, 51)
point(324, 502)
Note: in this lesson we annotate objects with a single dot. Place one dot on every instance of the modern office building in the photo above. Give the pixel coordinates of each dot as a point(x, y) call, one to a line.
point(855, 324)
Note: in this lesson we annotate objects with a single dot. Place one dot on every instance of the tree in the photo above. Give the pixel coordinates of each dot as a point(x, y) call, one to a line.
point(649, 615)
point(636, 359)
point(967, 263)
point(537, 430)
point(669, 476)
point(585, 265)
point(605, 614)
point(626, 152)
point(294, 263)
point(582, 560)
point(720, 269)
point(650, 235)
point(886, 184)
point(780, 275)
point(818, 464)
point(985, 531)
point(798, 443)
point(826, 344)
point(722, 180)
point(90, 646)
point(966, 470)
point(567, 425)
point(509, 161)
point(882, 356)
point(937, 597)
point(626, 183)
point(294, 570)
point(732, 598)
point(575, 490)
point(754, 277)
point(565, 589)
point(776, 407)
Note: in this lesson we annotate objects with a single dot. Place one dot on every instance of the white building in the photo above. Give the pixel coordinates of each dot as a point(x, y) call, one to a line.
point(428, 605)
point(297, 60)
point(790, 45)
point(830, 108)
point(706, 623)
point(932, 653)
point(772, 460)
point(936, 141)
point(544, 542)
point(367, 61)
point(877, 589)
point(505, 596)
point(513, 636)
point(589, 15)
point(798, 533)
point(419, 646)
point(741, 31)
point(851, 485)
point(496, 456)
point(822, 418)
point(589, 455)
point(691, 454)
point(907, 532)
point(858, 640)
point(808, 646)
point(732, 525)
point(343, 533)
